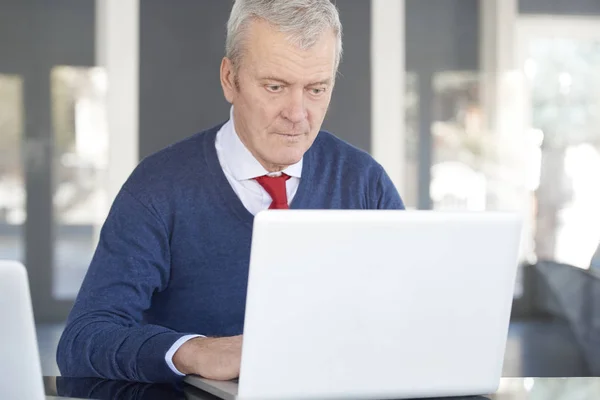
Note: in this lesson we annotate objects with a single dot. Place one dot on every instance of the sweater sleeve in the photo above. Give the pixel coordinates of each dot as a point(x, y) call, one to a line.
point(105, 335)
point(386, 194)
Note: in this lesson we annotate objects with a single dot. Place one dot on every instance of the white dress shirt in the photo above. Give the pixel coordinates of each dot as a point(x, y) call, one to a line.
point(240, 168)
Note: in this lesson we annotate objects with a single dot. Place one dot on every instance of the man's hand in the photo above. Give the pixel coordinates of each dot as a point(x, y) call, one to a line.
point(211, 358)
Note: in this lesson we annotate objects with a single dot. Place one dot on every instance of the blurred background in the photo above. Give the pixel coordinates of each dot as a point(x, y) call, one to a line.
point(469, 105)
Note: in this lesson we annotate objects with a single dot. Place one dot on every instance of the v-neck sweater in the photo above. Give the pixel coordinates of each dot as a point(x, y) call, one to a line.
point(174, 251)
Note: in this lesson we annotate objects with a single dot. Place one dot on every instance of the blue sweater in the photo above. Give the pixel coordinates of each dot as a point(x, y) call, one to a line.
point(174, 252)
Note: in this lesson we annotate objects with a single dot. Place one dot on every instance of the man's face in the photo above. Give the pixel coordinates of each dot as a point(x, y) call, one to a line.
point(280, 94)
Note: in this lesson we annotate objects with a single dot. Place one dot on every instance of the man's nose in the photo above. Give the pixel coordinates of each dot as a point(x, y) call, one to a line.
point(294, 110)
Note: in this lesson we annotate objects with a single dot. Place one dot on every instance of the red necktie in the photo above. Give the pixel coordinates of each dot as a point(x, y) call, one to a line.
point(275, 186)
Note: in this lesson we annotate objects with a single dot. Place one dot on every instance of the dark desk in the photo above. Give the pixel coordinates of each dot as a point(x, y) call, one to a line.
point(510, 389)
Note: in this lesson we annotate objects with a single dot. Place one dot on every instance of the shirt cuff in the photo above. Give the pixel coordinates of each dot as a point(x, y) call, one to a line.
point(173, 350)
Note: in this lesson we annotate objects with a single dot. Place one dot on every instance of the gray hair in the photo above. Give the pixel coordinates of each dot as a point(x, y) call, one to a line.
point(303, 20)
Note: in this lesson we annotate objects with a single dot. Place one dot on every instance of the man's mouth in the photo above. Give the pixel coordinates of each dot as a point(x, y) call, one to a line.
point(289, 134)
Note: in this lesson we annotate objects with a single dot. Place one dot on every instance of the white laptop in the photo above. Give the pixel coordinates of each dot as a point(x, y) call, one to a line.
point(375, 305)
point(20, 368)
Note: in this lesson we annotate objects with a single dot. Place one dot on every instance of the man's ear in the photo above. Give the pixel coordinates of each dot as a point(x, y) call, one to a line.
point(228, 79)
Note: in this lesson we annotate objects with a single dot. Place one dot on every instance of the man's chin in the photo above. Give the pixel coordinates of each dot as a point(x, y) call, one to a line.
point(291, 159)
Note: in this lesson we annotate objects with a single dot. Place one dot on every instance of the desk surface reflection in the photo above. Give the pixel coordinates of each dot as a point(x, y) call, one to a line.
point(510, 389)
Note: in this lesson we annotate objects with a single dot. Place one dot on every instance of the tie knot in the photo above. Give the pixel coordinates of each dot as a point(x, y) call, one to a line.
point(275, 187)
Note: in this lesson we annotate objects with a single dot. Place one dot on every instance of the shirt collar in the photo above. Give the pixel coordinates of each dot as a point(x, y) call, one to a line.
point(240, 161)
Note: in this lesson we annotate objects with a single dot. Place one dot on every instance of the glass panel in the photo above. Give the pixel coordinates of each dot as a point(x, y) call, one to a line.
point(474, 168)
point(459, 144)
point(80, 168)
point(564, 76)
point(12, 177)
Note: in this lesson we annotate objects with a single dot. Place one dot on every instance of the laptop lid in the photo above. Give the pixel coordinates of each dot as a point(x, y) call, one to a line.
point(20, 369)
point(377, 304)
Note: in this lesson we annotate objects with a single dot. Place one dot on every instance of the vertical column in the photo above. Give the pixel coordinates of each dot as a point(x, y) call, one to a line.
point(497, 57)
point(504, 101)
point(425, 147)
point(388, 72)
point(38, 155)
point(117, 50)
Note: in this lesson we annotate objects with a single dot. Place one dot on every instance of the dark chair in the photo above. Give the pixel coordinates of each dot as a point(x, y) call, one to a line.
point(570, 294)
point(595, 263)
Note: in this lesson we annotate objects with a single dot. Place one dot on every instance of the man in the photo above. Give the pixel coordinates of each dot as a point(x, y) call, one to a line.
point(165, 292)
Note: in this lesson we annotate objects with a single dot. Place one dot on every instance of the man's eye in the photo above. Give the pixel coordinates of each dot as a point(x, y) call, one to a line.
point(274, 88)
point(317, 91)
